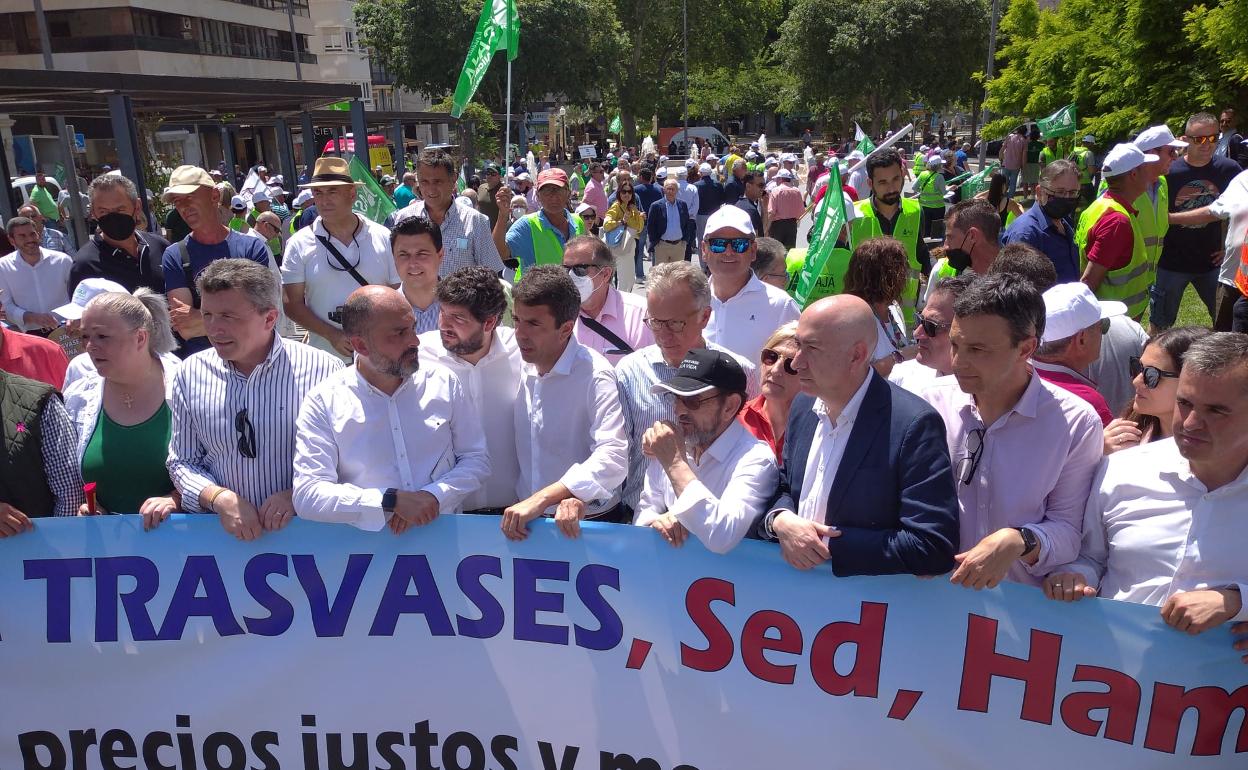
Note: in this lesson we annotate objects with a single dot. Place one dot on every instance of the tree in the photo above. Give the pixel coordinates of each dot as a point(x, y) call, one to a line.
point(485, 132)
point(872, 55)
point(1223, 32)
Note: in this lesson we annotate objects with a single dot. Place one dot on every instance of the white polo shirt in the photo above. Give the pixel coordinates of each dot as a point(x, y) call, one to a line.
point(743, 323)
point(37, 288)
point(326, 285)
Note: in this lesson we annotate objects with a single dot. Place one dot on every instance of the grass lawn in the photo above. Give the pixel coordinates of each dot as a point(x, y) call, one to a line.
point(1192, 311)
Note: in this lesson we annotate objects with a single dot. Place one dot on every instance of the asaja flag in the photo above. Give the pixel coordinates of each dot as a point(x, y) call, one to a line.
point(370, 199)
point(865, 145)
point(829, 221)
point(615, 125)
point(1060, 123)
point(977, 183)
point(498, 29)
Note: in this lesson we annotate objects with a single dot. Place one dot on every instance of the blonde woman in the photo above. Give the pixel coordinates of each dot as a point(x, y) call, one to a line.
point(766, 415)
point(624, 213)
point(119, 407)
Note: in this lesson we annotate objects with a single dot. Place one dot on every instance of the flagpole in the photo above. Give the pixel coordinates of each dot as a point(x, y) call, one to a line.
point(507, 140)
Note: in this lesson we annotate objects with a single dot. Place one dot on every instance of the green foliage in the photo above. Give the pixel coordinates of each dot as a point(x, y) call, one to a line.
point(872, 55)
point(1126, 64)
point(723, 92)
point(485, 130)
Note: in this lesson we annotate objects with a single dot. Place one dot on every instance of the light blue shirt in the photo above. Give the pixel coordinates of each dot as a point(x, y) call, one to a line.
point(520, 238)
point(674, 231)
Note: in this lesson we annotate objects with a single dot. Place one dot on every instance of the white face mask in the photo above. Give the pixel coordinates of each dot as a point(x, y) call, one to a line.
point(584, 285)
point(517, 213)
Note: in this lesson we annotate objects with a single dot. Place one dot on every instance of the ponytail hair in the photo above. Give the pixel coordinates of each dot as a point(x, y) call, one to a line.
point(145, 309)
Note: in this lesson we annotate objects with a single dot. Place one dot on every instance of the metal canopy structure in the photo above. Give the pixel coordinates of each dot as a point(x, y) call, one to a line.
point(178, 99)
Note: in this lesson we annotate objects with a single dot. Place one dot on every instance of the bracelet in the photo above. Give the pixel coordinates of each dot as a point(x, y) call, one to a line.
point(212, 500)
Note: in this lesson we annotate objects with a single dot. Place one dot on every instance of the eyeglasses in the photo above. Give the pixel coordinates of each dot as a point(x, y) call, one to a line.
point(720, 245)
point(1152, 375)
point(1207, 139)
point(769, 357)
point(1069, 194)
point(931, 328)
point(691, 403)
point(1105, 324)
point(246, 434)
point(580, 271)
point(974, 453)
point(676, 325)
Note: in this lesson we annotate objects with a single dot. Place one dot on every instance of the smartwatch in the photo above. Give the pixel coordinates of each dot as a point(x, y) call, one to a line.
point(389, 500)
point(1030, 541)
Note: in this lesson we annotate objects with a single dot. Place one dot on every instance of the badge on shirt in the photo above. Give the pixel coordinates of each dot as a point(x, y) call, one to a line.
point(461, 244)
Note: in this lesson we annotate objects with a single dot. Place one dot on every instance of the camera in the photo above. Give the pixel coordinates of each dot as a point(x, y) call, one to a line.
point(335, 315)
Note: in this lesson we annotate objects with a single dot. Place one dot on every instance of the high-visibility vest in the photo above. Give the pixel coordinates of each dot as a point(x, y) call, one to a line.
point(1129, 284)
point(941, 270)
point(930, 195)
point(906, 229)
point(1083, 159)
point(830, 282)
point(919, 162)
point(547, 249)
point(1241, 275)
point(1047, 156)
point(1153, 219)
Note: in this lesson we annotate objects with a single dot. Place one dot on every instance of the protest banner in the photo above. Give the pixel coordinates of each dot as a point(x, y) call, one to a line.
point(323, 646)
point(370, 199)
point(824, 267)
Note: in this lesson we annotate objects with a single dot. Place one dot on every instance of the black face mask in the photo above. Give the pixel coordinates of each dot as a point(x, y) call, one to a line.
point(959, 258)
point(117, 226)
point(1059, 208)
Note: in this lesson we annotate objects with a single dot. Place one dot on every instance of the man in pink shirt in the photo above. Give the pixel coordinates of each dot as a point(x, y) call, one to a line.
point(595, 189)
point(784, 209)
point(1075, 322)
point(1024, 450)
point(1013, 156)
point(611, 322)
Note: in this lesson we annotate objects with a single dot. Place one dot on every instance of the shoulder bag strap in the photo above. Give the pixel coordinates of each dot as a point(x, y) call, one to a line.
point(342, 261)
point(622, 348)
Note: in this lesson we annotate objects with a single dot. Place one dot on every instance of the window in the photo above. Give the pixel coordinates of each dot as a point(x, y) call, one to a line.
point(333, 40)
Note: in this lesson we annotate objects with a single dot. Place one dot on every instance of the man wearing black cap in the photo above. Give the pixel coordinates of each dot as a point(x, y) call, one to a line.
point(706, 473)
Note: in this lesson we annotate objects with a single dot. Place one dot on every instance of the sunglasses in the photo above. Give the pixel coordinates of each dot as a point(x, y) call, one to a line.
point(769, 357)
point(246, 434)
point(974, 453)
point(1209, 139)
point(580, 271)
point(931, 328)
point(691, 403)
point(1152, 375)
point(720, 245)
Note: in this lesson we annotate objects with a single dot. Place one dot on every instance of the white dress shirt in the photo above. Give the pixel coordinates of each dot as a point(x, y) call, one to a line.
point(736, 476)
point(353, 442)
point(913, 376)
point(1152, 530)
point(37, 288)
point(325, 284)
point(744, 321)
point(492, 385)
point(827, 449)
point(570, 429)
point(689, 194)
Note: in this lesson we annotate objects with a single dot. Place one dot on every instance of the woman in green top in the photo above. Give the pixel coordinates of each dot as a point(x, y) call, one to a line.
point(120, 411)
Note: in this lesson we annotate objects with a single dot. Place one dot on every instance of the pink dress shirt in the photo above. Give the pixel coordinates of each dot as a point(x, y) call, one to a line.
point(1036, 469)
point(623, 314)
point(596, 197)
point(785, 202)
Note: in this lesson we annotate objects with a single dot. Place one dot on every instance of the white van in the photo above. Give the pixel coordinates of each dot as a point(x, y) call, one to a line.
point(709, 134)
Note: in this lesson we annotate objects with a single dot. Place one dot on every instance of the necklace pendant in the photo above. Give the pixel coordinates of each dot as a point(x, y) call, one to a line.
point(128, 400)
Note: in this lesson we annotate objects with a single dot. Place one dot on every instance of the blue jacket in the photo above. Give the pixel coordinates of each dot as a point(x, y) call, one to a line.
point(1035, 229)
point(647, 194)
point(893, 498)
point(656, 224)
point(710, 195)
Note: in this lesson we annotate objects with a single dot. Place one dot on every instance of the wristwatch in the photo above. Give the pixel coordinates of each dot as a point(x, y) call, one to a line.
point(1030, 541)
point(390, 500)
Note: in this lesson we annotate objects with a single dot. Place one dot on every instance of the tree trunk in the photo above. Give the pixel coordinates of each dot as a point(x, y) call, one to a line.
point(628, 128)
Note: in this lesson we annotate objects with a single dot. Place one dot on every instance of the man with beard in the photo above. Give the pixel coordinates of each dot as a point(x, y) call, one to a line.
point(707, 474)
point(436, 456)
point(471, 342)
point(887, 213)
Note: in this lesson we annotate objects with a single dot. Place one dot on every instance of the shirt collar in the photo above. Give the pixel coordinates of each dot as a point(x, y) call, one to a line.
point(1026, 405)
point(563, 366)
point(1126, 204)
point(753, 284)
point(613, 307)
point(724, 443)
point(1060, 369)
point(850, 412)
point(277, 348)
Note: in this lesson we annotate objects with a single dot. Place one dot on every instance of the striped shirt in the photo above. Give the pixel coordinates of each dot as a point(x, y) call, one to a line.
point(635, 374)
point(427, 319)
point(466, 237)
point(209, 394)
point(60, 460)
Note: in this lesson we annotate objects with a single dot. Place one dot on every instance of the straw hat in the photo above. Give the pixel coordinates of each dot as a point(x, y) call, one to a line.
point(330, 171)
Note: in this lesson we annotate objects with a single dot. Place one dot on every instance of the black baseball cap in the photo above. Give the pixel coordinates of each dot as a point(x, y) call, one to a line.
point(704, 370)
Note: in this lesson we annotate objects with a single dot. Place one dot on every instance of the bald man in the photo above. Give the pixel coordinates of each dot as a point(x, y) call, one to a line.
point(866, 481)
point(436, 454)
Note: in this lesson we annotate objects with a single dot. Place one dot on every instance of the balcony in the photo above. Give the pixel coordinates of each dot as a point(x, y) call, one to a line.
point(173, 45)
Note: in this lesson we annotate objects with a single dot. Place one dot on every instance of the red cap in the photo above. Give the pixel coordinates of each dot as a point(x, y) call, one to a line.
point(554, 176)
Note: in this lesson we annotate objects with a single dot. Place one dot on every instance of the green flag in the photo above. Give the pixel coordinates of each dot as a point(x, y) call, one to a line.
point(498, 29)
point(370, 199)
point(865, 145)
point(1060, 123)
point(829, 220)
point(977, 183)
point(340, 106)
point(615, 125)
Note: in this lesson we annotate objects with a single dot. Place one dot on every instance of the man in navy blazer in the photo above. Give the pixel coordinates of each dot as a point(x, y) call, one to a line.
point(866, 464)
point(665, 238)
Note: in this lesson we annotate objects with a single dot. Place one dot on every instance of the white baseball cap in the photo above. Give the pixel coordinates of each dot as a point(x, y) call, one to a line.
point(691, 163)
point(705, 168)
point(237, 203)
point(1123, 158)
point(1069, 308)
point(303, 197)
point(784, 173)
point(729, 217)
point(259, 196)
point(661, 173)
point(84, 293)
point(1155, 137)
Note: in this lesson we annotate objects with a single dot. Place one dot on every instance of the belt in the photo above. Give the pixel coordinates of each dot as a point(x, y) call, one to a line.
point(678, 240)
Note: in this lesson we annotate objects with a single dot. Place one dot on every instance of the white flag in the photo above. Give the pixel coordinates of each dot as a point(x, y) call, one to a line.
point(859, 134)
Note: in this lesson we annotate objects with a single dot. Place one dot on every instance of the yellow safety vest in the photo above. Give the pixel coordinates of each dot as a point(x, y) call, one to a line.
point(547, 248)
point(906, 229)
point(1129, 284)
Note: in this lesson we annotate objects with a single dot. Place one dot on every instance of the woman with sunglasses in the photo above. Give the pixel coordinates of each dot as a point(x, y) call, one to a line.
point(120, 409)
point(1155, 375)
point(624, 213)
point(767, 415)
point(877, 275)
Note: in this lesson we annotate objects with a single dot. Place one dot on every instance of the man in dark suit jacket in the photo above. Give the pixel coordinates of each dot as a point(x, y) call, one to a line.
point(664, 245)
point(752, 197)
point(878, 484)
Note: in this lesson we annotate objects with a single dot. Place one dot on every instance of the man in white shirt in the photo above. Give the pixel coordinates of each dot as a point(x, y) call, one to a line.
point(570, 438)
point(707, 474)
point(678, 300)
point(935, 358)
point(611, 322)
point(1165, 522)
point(346, 471)
point(687, 191)
point(471, 343)
point(339, 253)
point(33, 280)
point(744, 310)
